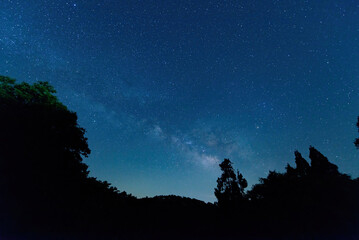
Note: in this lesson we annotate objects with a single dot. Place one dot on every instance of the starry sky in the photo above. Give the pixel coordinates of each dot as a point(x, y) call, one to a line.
point(168, 89)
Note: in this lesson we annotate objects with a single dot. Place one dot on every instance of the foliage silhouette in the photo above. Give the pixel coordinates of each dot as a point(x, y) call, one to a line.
point(356, 142)
point(42, 176)
point(312, 199)
point(46, 191)
point(230, 187)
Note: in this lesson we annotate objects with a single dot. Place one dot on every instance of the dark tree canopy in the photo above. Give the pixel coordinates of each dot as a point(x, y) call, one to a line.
point(356, 142)
point(301, 178)
point(230, 187)
point(41, 152)
point(39, 132)
point(320, 164)
point(308, 198)
point(303, 167)
point(44, 186)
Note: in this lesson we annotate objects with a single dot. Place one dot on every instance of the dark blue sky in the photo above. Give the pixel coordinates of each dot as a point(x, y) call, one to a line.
point(167, 89)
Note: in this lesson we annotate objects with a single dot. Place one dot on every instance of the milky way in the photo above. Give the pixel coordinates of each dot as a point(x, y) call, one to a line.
point(168, 89)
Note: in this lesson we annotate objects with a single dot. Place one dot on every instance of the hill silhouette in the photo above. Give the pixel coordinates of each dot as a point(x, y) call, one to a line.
point(46, 191)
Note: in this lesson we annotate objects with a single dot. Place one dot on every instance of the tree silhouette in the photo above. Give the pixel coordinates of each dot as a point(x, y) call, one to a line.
point(320, 164)
point(230, 187)
point(40, 133)
point(310, 199)
point(356, 142)
point(303, 166)
point(45, 187)
point(43, 180)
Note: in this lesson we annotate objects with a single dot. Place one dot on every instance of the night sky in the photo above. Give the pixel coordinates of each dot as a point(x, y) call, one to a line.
point(168, 89)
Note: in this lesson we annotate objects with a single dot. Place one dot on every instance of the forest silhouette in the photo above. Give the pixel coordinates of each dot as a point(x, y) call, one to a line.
point(46, 191)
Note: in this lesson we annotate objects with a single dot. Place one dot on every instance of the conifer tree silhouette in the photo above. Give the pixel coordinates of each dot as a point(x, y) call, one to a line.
point(356, 142)
point(230, 187)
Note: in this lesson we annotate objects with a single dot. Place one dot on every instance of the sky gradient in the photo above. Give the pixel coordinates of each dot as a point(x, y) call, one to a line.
point(168, 89)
